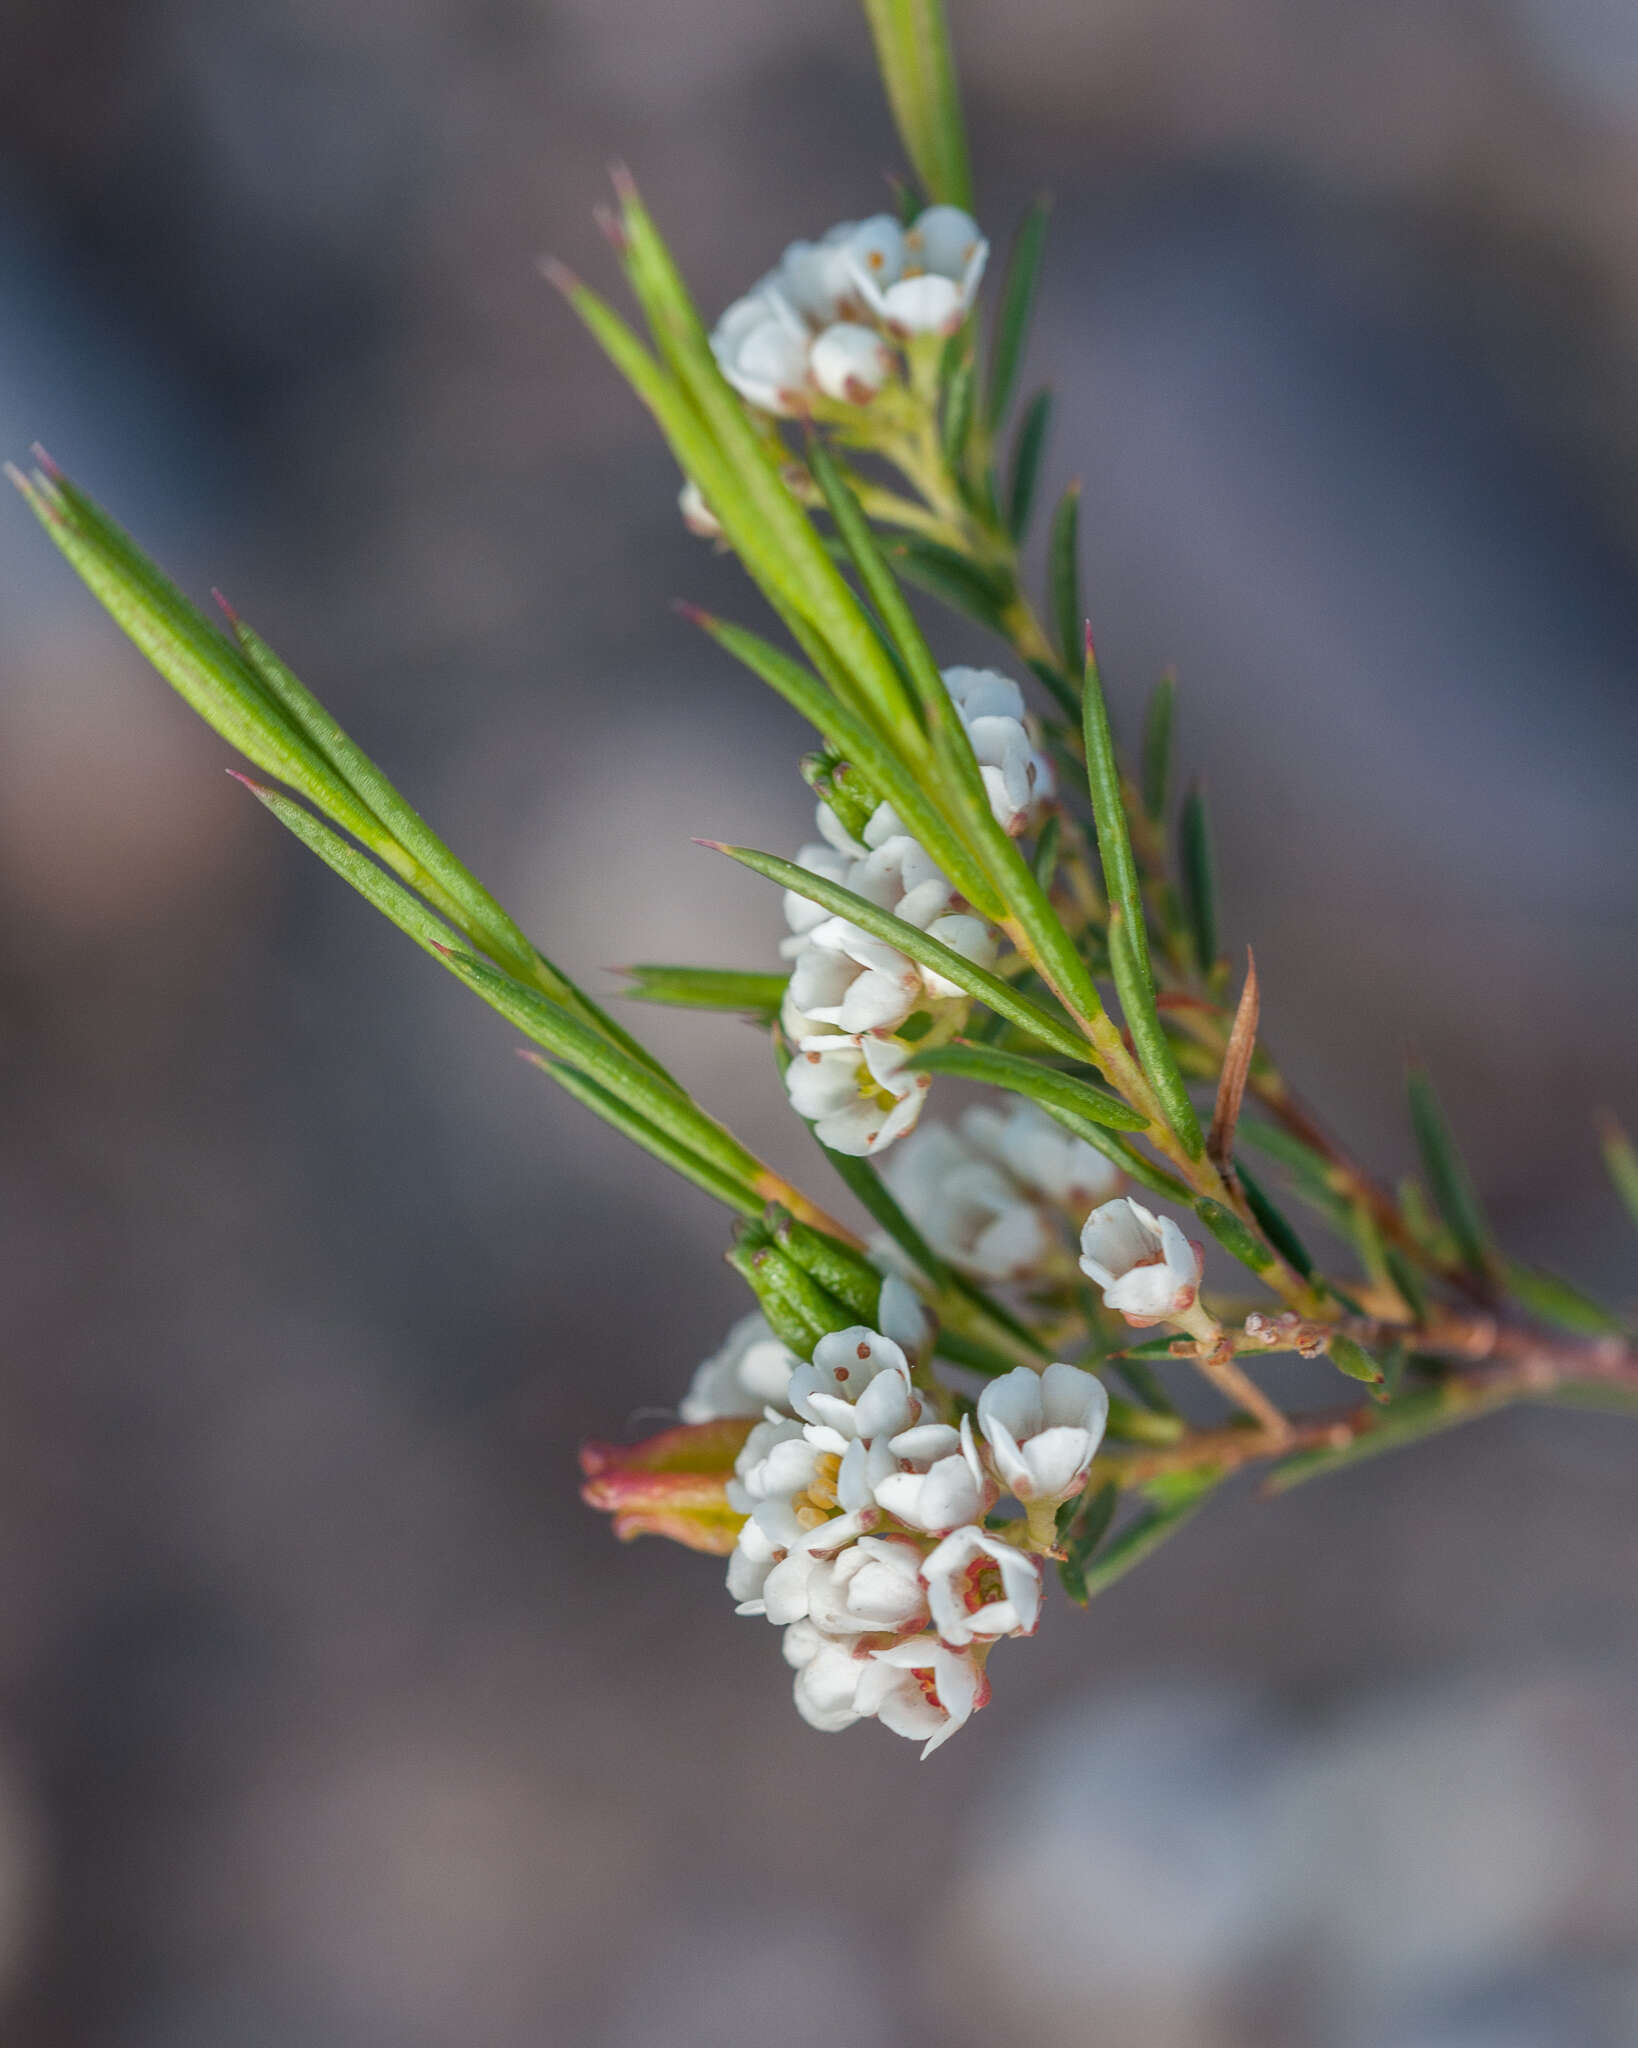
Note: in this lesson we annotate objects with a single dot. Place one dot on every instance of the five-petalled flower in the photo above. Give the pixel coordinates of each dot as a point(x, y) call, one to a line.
point(1147, 1268)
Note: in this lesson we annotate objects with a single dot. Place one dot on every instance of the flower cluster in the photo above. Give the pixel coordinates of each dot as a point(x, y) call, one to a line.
point(868, 1535)
point(854, 1495)
point(826, 320)
point(856, 1007)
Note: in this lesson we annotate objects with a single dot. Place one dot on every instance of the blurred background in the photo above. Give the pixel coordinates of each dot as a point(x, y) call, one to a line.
point(327, 1715)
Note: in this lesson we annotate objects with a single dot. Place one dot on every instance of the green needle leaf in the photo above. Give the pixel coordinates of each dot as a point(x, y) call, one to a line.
point(707, 988)
point(1622, 1163)
point(1074, 1099)
point(1453, 1192)
point(956, 422)
point(917, 66)
point(1556, 1301)
point(925, 951)
point(1017, 304)
point(951, 578)
point(1027, 452)
point(1272, 1223)
point(1154, 1048)
point(1064, 578)
point(723, 1187)
point(1353, 1360)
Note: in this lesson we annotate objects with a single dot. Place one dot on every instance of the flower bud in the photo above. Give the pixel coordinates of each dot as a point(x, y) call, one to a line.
point(674, 1484)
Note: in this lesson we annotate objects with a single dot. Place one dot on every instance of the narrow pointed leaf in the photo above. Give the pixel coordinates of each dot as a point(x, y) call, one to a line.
point(1556, 1301)
point(951, 578)
point(707, 988)
point(1154, 1048)
point(1064, 577)
point(1621, 1161)
point(1353, 1360)
point(1017, 304)
point(205, 669)
point(1199, 880)
point(734, 1194)
point(917, 66)
point(1272, 1223)
point(1028, 451)
point(1045, 1085)
point(1233, 1236)
point(1453, 1192)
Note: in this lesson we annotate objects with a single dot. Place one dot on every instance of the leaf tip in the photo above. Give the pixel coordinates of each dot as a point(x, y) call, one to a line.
point(559, 276)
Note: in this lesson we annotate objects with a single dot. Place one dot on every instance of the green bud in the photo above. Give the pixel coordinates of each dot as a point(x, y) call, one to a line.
point(839, 784)
point(1354, 1360)
point(841, 1271)
point(799, 1310)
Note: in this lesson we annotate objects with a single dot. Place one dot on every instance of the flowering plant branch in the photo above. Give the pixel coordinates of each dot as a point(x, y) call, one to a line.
point(997, 893)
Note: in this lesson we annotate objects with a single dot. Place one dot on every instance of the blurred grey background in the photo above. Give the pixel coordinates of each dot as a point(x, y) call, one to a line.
point(327, 1715)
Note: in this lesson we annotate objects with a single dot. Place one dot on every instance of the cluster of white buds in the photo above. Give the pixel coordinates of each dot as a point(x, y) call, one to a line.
point(869, 1535)
point(826, 318)
point(852, 995)
point(987, 1195)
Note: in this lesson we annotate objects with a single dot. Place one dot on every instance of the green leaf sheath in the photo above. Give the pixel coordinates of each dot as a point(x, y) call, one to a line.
point(917, 65)
point(1453, 1192)
point(925, 951)
point(1017, 305)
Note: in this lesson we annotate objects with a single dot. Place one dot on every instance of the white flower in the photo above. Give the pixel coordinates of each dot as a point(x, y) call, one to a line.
point(761, 347)
point(945, 241)
point(850, 363)
point(802, 914)
point(827, 1677)
point(852, 981)
point(786, 1487)
point(854, 1091)
point(971, 1212)
point(979, 1588)
point(871, 1588)
point(1043, 1429)
point(944, 258)
point(1041, 1155)
point(873, 248)
point(1017, 775)
point(1147, 1268)
point(940, 1482)
point(922, 1690)
point(697, 515)
point(751, 1373)
point(853, 1398)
